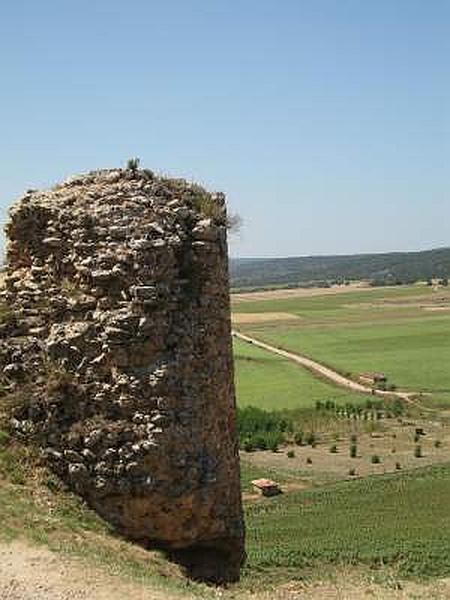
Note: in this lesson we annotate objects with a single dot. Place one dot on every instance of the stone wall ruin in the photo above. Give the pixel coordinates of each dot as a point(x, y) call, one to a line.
point(118, 343)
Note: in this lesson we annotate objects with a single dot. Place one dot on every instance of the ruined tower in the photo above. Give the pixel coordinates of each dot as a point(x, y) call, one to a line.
point(119, 330)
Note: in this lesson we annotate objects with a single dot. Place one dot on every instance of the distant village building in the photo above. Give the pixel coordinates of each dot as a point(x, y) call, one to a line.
point(372, 378)
point(266, 487)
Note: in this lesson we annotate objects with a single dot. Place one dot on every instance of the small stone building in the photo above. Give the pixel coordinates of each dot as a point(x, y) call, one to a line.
point(266, 487)
point(372, 378)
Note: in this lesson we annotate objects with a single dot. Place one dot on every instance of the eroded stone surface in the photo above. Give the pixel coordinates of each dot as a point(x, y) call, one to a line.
point(118, 342)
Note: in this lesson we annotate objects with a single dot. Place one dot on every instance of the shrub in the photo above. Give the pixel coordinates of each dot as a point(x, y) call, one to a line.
point(148, 173)
point(298, 438)
point(311, 439)
point(397, 407)
point(309, 461)
point(273, 444)
point(352, 472)
point(291, 454)
point(375, 459)
point(260, 441)
point(353, 450)
point(418, 451)
point(4, 438)
point(333, 449)
point(264, 428)
point(398, 466)
point(248, 446)
point(133, 164)
point(437, 443)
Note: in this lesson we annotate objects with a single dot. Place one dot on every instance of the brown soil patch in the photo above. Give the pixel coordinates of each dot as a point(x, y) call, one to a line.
point(265, 317)
point(300, 292)
point(393, 445)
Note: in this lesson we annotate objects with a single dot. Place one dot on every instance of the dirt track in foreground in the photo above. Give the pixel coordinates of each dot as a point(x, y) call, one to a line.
point(34, 573)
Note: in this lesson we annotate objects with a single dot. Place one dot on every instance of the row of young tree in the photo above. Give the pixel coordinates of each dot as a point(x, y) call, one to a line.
point(260, 429)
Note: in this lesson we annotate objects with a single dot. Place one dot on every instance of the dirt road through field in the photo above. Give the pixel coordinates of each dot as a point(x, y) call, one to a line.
point(323, 371)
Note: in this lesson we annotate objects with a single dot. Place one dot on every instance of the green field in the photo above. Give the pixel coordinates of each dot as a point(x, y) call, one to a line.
point(400, 520)
point(382, 330)
point(269, 381)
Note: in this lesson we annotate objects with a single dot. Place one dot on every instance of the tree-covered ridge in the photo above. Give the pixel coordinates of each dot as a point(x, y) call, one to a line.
point(388, 268)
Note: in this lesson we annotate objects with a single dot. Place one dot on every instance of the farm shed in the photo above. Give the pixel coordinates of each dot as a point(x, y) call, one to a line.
point(372, 378)
point(266, 487)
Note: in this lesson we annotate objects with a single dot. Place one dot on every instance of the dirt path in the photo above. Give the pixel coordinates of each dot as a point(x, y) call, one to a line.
point(326, 372)
point(35, 573)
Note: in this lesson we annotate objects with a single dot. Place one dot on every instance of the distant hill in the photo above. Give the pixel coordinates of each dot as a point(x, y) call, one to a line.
point(381, 269)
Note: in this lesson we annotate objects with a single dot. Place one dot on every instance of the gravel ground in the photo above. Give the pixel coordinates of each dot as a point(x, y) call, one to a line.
point(35, 573)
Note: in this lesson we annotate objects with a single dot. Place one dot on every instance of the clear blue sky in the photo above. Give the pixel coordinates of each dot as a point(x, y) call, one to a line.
point(326, 122)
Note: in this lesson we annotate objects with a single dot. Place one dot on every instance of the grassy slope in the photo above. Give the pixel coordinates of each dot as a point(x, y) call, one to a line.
point(402, 520)
point(273, 382)
point(33, 506)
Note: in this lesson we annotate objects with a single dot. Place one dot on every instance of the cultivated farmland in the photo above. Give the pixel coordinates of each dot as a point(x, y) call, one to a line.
point(403, 332)
point(399, 520)
point(272, 382)
point(372, 487)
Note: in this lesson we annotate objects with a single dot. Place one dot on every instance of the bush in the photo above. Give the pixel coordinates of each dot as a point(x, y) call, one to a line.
point(298, 438)
point(397, 407)
point(248, 446)
point(311, 439)
point(309, 461)
point(353, 451)
point(273, 445)
point(398, 466)
point(333, 449)
point(375, 459)
point(265, 429)
point(418, 451)
point(352, 472)
point(437, 444)
point(133, 164)
point(4, 438)
point(291, 454)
